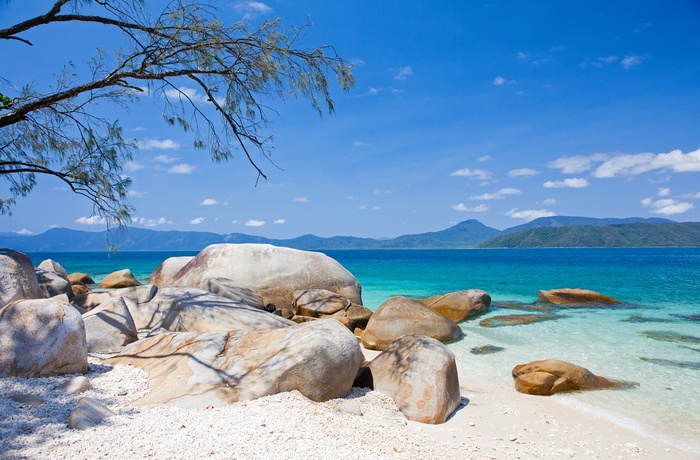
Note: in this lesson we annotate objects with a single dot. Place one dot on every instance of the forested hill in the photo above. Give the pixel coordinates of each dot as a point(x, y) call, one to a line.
point(650, 234)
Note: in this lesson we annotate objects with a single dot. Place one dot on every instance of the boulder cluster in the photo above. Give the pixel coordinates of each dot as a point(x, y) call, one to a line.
point(236, 322)
point(239, 322)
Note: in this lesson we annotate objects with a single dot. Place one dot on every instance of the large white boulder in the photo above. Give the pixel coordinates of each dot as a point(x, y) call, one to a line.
point(17, 277)
point(184, 309)
point(319, 359)
point(109, 326)
point(168, 269)
point(41, 337)
point(273, 272)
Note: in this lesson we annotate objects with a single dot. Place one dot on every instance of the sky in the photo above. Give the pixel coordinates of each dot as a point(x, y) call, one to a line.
point(500, 111)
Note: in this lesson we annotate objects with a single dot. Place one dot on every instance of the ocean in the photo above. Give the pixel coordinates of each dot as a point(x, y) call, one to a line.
point(652, 339)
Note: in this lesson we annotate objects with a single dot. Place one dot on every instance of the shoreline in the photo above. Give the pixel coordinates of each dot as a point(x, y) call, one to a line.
point(496, 423)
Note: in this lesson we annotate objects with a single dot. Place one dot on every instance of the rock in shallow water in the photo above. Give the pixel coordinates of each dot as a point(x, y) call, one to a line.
point(668, 336)
point(576, 298)
point(460, 305)
point(517, 320)
point(550, 376)
point(486, 350)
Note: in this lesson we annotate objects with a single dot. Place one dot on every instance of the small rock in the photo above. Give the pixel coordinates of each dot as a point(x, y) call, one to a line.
point(75, 385)
point(30, 400)
point(88, 413)
point(512, 438)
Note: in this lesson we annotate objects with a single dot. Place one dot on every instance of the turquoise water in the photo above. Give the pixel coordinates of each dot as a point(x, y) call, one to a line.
point(658, 285)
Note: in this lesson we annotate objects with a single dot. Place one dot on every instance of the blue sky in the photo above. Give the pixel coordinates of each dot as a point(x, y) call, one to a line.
point(500, 111)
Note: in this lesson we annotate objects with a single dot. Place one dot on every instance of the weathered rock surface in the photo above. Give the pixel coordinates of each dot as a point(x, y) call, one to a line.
point(119, 279)
point(226, 288)
point(273, 272)
point(517, 320)
point(80, 278)
point(420, 375)
point(319, 359)
point(41, 337)
point(132, 296)
point(88, 413)
point(168, 269)
point(17, 277)
point(109, 326)
point(53, 283)
point(53, 266)
point(79, 384)
point(399, 316)
point(358, 316)
point(550, 376)
point(460, 305)
point(318, 302)
point(186, 309)
point(79, 288)
point(575, 297)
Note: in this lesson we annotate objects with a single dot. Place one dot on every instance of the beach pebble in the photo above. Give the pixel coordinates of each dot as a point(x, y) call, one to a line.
point(88, 413)
point(75, 385)
point(27, 399)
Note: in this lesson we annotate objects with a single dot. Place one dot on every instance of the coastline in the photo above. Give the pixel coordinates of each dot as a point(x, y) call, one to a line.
point(494, 424)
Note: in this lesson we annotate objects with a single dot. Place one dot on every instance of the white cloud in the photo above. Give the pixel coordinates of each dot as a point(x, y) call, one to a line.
point(254, 223)
point(501, 81)
point(635, 164)
point(480, 174)
point(151, 222)
point(529, 214)
point(484, 158)
point(604, 61)
point(132, 166)
point(197, 220)
point(165, 159)
point(24, 231)
point(664, 192)
point(209, 202)
point(460, 207)
point(186, 94)
point(578, 163)
point(279, 221)
point(301, 199)
point(257, 7)
point(667, 206)
point(631, 60)
point(140, 128)
point(572, 182)
point(550, 201)
point(360, 144)
point(92, 220)
point(150, 144)
point(376, 208)
point(182, 168)
point(499, 195)
point(134, 194)
point(382, 192)
point(692, 196)
point(522, 172)
point(522, 55)
point(402, 73)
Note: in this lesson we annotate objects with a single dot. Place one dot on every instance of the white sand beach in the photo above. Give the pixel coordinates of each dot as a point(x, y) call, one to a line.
point(494, 424)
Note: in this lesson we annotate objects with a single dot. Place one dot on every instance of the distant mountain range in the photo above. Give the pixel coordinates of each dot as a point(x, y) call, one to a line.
point(558, 231)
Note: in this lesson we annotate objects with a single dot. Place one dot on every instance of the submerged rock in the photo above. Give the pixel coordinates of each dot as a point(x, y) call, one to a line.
point(486, 350)
point(668, 336)
point(523, 306)
point(644, 319)
point(550, 376)
point(517, 320)
point(688, 317)
point(576, 298)
point(672, 363)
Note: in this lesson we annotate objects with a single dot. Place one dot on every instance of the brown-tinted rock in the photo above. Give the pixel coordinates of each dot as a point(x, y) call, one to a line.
point(17, 277)
point(319, 359)
point(79, 288)
point(399, 316)
point(550, 376)
point(516, 320)
point(271, 271)
point(575, 297)
point(420, 375)
point(358, 316)
point(119, 279)
point(82, 278)
point(460, 305)
point(41, 337)
point(318, 302)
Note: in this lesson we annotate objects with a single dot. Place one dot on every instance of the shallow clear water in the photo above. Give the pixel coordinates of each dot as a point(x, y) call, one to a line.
point(655, 284)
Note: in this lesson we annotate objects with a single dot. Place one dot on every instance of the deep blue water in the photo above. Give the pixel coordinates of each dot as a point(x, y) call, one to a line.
point(656, 284)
